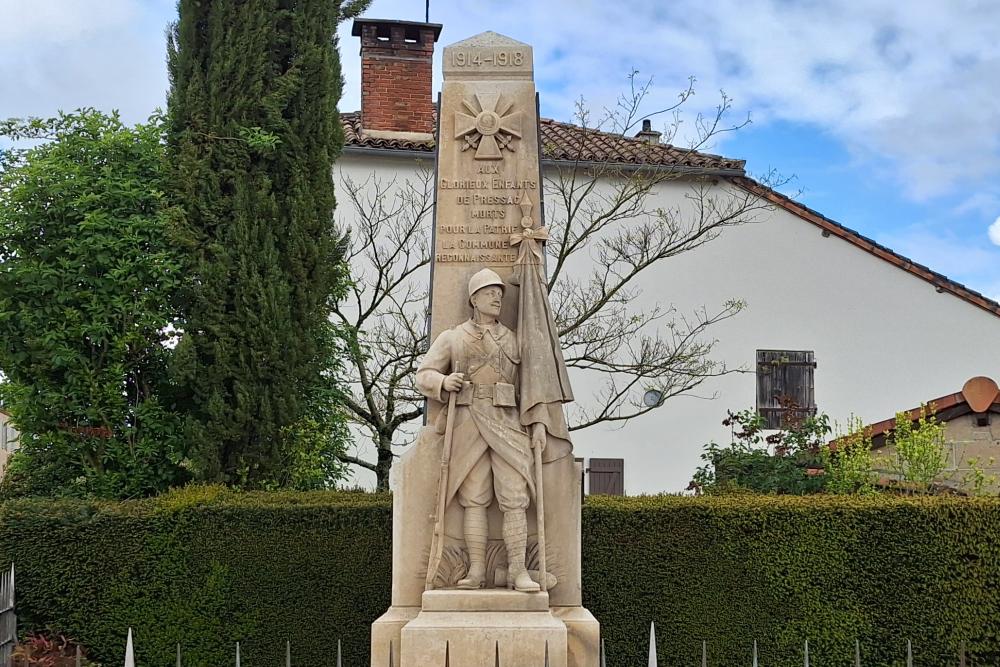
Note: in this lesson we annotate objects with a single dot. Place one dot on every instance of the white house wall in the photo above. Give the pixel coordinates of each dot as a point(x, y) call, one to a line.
point(884, 340)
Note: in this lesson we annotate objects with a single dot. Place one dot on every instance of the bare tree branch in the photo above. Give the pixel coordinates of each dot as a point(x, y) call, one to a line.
point(382, 321)
point(610, 225)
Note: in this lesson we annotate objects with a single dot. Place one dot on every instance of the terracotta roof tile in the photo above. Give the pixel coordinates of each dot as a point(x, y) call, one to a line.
point(566, 142)
point(979, 388)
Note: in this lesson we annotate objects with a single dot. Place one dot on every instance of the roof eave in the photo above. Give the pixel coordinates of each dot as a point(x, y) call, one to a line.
point(381, 151)
point(833, 228)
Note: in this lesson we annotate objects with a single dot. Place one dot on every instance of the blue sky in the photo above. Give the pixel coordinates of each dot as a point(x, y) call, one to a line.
point(886, 113)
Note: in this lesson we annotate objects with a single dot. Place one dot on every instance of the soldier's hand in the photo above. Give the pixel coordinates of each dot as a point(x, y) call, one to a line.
point(538, 438)
point(454, 382)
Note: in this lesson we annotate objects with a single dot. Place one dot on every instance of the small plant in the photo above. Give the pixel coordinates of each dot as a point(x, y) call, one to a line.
point(976, 481)
point(849, 466)
point(920, 447)
point(39, 650)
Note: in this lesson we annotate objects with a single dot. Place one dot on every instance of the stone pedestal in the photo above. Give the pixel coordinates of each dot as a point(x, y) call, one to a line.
point(477, 626)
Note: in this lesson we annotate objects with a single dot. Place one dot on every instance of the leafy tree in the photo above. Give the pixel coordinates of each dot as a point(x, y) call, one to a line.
point(88, 275)
point(785, 461)
point(252, 138)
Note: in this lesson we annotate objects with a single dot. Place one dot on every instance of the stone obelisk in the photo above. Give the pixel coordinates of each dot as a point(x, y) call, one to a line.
point(488, 201)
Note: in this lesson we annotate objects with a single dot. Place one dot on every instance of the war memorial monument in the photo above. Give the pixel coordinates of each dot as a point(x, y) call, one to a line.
point(486, 505)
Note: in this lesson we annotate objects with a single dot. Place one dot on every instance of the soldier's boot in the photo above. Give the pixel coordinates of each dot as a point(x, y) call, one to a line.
point(515, 537)
point(476, 531)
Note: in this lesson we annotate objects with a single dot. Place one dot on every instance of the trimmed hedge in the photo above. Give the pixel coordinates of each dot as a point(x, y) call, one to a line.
point(782, 569)
point(207, 567)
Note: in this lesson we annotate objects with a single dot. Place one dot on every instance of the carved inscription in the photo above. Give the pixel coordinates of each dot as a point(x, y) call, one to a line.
point(488, 57)
point(481, 233)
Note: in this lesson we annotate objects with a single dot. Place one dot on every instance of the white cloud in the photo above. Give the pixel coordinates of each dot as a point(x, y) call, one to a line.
point(994, 232)
point(65, 54)
point(30, 23)
point(951, 254)
point(909, 85)
point(962, 257)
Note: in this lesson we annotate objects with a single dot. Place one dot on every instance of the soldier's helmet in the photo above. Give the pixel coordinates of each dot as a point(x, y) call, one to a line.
point(484, 278)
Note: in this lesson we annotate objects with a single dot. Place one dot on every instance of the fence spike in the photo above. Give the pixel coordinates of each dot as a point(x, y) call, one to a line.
point(390, 653)
point(755, 653)
point(79, 656)
point(496, 654)
point(178, 655)
point(339, 658)
point(129, 651)
point(288, 653)
point(546, 653)
point(604, 657)
point(909, 654)
point(704, 653)
point(447, 658)
point(857, 653)
point(238, 655)
point(807, 654)
point(652, 645)
point(961, 653)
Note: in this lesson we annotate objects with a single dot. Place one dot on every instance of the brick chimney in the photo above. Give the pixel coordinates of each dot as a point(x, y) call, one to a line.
point(396, 68)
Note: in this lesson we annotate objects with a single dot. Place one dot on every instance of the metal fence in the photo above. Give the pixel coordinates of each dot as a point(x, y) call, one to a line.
point(752, 657)
point(8, 617)
point(130, 654)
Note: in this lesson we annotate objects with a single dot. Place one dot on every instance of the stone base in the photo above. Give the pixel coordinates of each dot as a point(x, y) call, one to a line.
point(474, 622)
point(386, 632)
point(475, 625)
point(583, 634)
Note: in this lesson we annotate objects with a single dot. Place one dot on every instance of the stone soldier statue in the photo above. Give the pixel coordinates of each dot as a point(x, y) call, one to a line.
point(492, 455)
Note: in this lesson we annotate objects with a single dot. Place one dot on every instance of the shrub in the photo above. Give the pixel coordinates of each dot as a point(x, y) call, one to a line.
point(780, 462)
point(921, 453)
point(39, 650)
point(849, 465)
point(207, 567)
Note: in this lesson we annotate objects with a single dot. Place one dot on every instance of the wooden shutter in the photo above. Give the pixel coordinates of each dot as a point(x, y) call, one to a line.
point(607, 477)
point(785, 381)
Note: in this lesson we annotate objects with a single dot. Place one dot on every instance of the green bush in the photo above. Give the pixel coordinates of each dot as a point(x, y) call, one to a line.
point(207, 567)
point(781, 569)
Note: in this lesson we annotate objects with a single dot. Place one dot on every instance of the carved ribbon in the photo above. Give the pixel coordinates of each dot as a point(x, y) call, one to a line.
point(531, 236)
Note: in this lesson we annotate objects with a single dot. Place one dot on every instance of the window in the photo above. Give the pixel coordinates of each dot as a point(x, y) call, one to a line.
point(607, 477)
point(785, 388)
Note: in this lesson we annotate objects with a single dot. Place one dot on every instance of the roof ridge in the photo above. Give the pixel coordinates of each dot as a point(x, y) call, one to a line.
point(610, 148)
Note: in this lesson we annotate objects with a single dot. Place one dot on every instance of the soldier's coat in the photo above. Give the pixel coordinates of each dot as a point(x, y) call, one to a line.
point(485, 355)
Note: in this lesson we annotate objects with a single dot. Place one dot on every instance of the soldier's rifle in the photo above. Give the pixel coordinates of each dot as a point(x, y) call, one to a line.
point(437, 538)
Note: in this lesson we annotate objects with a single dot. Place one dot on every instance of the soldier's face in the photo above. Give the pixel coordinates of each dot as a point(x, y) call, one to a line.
point(488, 300)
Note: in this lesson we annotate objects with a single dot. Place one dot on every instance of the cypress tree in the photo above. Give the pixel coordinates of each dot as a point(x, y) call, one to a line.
point(253, 133)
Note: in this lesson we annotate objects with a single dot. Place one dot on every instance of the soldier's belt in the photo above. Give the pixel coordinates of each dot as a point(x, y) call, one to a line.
point(502, 394)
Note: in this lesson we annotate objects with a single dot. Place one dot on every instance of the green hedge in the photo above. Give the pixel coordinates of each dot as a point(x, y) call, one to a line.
point(207, 567)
